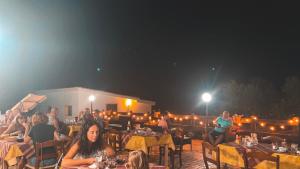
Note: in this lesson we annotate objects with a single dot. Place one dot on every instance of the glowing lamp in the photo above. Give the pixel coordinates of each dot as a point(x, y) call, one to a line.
point(92, 98)
point(206, 97)
point(128, 102)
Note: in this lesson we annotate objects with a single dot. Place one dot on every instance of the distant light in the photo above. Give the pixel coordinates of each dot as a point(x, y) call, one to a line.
point(201, 122)
point(282, 127)
point(180, 119)
point(206, 97)
point(98, 69)
point(92, 98)
point(128, 102)
point(272, 128)
point(262, 124)
point(240, 124)
point(254, 117)
point(186, 117)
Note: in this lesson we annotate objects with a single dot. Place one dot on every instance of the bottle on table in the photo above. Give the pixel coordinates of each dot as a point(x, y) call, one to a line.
point(128, 126)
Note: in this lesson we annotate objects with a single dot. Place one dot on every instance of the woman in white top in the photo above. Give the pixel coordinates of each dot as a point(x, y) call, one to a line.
point(89, 146)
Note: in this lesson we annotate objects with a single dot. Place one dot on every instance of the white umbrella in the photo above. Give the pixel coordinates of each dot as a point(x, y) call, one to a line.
point(28, 103)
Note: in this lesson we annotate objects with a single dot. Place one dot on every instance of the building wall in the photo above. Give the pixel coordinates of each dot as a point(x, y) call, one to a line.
point(103, 98)
point(60, 99)
point(78, 99)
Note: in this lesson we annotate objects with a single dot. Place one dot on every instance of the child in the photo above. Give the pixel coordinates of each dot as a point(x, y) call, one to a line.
point(137, 160)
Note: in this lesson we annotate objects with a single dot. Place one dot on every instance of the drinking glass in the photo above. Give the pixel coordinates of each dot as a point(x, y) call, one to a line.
point(294, 148)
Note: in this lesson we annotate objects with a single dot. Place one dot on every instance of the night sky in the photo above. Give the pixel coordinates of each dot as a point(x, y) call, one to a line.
point(165, 51)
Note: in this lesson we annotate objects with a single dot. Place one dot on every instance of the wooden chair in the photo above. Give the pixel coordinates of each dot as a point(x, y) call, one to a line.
point(114, 139)
point(40, 155)
point(207, 146)
point(261, 156)
point(177, 137)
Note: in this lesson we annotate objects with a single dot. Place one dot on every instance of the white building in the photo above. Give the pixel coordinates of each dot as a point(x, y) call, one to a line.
point(70, 101)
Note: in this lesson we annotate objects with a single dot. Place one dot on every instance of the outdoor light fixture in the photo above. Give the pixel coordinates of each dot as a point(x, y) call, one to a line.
point(206, 97)
point(92, 98)
point(128, 104)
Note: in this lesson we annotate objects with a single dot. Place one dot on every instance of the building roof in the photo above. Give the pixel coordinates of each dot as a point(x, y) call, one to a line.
point(95, 90)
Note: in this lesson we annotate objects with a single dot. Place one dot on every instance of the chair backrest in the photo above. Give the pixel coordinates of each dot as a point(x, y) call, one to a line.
point(261, 156)
point(214, 149)
point(41, 154)
point(59, 161)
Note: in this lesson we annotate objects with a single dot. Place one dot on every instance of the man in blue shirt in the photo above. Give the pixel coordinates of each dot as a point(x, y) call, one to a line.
point(217, 135)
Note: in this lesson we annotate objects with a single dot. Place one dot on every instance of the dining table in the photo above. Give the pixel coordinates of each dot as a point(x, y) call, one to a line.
point(232, 153)
point(11, 150)
point(144, 142)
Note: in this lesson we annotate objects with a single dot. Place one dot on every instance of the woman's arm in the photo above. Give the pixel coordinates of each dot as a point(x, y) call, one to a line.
point(69, 161)
point(10, 128)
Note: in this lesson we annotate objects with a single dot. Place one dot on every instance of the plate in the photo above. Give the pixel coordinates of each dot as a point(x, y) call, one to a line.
point(93, 166)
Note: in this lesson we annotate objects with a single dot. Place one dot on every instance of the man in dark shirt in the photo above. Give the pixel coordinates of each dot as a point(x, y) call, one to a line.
point(41, 132)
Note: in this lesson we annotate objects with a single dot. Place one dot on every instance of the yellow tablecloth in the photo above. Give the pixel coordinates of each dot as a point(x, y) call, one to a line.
point(286, 162)
point(143, 142)
point(74, 128)
point(230, 155)
point(10, 151)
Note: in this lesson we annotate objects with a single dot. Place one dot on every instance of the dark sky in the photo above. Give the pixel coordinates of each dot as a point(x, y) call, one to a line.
point(165, 51)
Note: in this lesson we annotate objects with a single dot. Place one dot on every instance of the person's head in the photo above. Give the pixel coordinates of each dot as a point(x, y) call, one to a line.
point(225, 115)
point(90, 137)
point(54, 111)
point(39, 118)
point(22, 118)
point(137, 160)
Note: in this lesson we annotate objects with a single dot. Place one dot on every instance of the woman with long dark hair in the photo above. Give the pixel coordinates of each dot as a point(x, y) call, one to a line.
point(89, 146)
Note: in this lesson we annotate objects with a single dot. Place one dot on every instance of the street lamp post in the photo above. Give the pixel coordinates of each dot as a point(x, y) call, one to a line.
point(92, 99)
point(206, 97)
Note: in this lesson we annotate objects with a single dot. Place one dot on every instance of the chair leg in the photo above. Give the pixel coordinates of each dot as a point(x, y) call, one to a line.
point(180, 159)
point(172, 157)
point(160, 156)
point(205, 163)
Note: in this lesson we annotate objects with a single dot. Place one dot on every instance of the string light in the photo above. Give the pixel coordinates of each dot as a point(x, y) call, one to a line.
point(186, 117)
point(195, 118)
point(201, 122)
point(180, 119)
point(262, 124)
point(240, 124)
point(272, 128)
point(254, 117)
point(282, 127)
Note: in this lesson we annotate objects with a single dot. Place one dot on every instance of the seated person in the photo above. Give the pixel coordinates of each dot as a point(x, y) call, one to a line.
point(11, 115)
point(217, 135)
point(89, 146)
point(53, 119)
point(163, 123)
point(137, 160)
point(41, 132)
point(17, 126)
point(98, 118)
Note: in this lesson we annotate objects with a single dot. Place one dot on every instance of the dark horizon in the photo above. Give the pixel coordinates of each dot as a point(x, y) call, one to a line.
point(168, 52)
